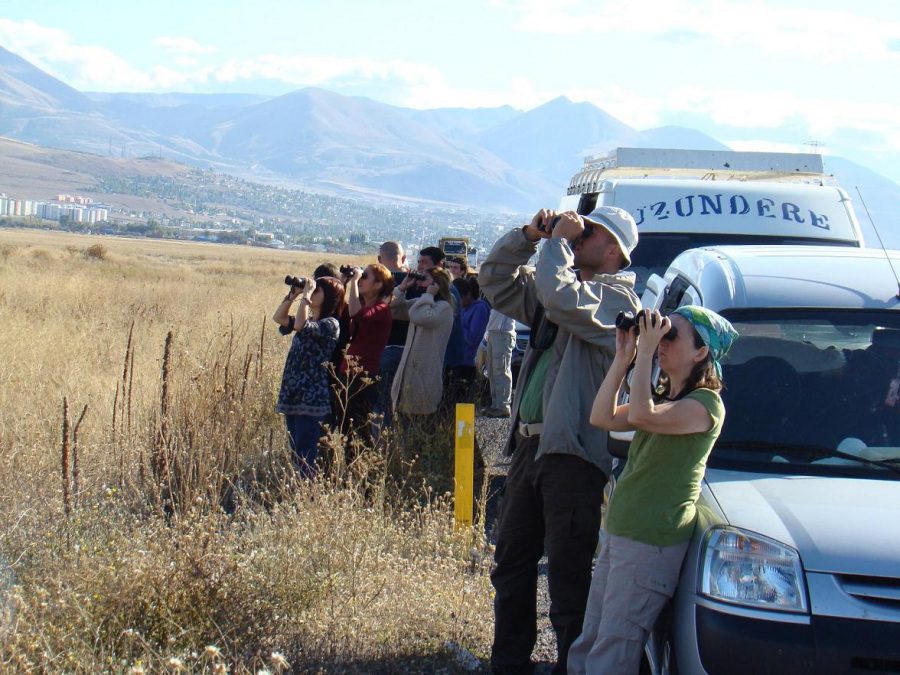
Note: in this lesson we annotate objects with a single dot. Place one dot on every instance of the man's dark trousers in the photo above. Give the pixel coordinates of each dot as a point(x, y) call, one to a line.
point(552, 503)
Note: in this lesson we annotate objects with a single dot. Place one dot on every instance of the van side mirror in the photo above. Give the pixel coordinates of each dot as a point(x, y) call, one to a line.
point(653, 291)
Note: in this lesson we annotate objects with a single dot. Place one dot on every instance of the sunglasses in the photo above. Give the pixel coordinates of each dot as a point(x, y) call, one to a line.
point(585, 234)
point(364, 275)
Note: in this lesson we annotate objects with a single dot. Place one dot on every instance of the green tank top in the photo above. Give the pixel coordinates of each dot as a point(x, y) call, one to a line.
point(655, 498)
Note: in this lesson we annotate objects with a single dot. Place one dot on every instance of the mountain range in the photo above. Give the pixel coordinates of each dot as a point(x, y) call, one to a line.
point(494, 158)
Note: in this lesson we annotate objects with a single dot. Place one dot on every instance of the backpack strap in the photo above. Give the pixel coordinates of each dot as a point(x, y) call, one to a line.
point(543, 330)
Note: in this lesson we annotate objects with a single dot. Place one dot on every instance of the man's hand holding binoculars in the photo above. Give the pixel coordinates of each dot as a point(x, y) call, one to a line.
point(548, 223)
point(411, 278)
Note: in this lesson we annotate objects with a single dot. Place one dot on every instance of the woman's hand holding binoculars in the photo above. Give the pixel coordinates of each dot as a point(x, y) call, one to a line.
point(641, 332)
point(653, 326)
point(626, 344)
point(308, 289)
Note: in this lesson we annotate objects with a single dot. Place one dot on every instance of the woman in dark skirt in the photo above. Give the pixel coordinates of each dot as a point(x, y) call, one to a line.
point(304, 398)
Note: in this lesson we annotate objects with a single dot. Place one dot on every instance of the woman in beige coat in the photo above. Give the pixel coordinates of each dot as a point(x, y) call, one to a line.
point(417, 387)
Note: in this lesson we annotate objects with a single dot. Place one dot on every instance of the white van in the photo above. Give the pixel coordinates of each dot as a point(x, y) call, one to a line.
point(683, 199)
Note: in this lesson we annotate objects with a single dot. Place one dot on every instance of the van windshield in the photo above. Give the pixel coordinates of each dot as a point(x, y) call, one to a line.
point(812, 392)
point(655, 251)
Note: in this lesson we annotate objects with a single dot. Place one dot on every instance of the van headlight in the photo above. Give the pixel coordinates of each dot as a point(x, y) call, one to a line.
point(748, 569)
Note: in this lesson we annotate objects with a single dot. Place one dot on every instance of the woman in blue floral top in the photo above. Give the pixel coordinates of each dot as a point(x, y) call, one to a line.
point(305, 399)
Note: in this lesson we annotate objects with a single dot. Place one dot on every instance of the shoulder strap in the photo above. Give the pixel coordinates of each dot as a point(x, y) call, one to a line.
point(543, 330)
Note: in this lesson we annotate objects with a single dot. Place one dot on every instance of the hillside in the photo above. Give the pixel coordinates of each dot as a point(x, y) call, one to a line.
point(35, 172)
point(551, 139)
point(145, 194)
point(24, 86)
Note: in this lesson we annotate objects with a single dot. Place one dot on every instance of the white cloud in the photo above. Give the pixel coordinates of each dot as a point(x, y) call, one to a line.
point(186, 61)
point(629, 106)
point(892, 141)
point(736, 107)
point(182, 46)
point(81, 66)
point(824, 35)
point(436, 92)
point(822, 116)
point(90, 66)
point(320, 70)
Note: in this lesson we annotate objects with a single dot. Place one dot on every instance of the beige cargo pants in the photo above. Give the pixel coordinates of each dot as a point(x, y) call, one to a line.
point(632, 582)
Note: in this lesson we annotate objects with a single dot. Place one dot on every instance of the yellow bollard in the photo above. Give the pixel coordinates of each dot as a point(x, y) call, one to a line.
point(465, 463)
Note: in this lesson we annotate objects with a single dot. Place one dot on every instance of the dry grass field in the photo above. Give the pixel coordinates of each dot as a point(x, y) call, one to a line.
point(149, 518)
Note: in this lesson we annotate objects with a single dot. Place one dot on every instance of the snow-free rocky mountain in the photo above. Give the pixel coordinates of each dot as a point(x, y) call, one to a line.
point(497, 158)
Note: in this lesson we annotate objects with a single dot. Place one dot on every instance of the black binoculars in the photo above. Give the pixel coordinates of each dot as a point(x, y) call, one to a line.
point(346, 270)
point(627, 320)
point(548, 226)
point(295, 282)
point(415, 276)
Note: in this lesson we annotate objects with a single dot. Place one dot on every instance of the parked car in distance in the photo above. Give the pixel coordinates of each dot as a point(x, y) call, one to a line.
point(794, 565)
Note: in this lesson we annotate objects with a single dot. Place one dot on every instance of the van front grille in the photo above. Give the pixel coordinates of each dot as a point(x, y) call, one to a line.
point(884, 591)
point(870, 665)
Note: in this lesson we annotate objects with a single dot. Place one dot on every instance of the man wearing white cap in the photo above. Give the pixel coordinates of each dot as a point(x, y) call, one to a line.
point(560, 463)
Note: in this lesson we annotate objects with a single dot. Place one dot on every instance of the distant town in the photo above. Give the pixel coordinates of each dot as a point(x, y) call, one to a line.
point(65, 209)
point(202, 205)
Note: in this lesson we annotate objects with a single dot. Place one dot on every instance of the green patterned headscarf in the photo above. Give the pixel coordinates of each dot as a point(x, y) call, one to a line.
point(716, 332)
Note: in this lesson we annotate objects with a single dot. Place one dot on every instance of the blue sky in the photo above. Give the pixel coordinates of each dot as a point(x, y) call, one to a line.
point(758, 74)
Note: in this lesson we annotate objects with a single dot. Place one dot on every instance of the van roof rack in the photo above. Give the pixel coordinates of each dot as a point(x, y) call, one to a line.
point(703, 164)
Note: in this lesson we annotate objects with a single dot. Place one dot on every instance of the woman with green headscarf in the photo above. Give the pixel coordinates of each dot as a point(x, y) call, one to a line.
point(651, 516)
